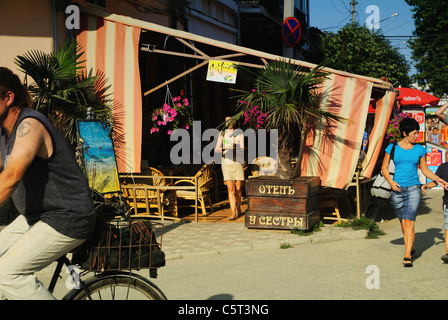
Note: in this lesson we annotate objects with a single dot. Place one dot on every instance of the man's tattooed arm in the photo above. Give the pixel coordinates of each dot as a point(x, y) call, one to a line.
point(23, 129)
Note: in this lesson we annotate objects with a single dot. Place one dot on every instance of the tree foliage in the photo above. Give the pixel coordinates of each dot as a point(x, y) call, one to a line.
point(430, 46)
point(288, 94)
point(356, 50)
point(60, 89)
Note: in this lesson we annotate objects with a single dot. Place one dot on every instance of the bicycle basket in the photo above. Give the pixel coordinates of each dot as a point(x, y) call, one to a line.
point(122, 245)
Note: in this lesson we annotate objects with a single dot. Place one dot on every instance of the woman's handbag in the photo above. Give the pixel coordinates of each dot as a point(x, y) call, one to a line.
point(381, 188)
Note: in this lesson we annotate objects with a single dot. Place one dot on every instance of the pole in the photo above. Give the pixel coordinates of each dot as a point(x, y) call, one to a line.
point(354, 3)
point(288, 11)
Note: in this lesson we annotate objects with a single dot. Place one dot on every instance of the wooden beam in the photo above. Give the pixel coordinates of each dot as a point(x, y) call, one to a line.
point(232, 55)
point(174, 53)
point(192, 47)
point(216, 43)
point(203, 63)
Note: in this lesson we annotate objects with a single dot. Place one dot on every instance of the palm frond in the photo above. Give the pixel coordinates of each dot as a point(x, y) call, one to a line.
point(60, 90)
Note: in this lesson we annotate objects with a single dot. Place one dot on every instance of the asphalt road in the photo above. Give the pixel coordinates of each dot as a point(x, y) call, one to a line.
point(362, 269)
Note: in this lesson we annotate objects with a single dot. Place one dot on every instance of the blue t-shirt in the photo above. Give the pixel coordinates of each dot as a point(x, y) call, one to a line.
point(406, 164)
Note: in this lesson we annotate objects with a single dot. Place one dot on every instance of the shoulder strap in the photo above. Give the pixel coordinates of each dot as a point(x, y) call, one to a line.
point(392, 152)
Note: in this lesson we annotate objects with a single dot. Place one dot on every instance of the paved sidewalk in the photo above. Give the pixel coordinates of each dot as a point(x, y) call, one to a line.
point(185, 239)
point(181, 240)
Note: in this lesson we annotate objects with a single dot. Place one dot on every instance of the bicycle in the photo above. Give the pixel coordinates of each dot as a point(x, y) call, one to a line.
point(112, 277)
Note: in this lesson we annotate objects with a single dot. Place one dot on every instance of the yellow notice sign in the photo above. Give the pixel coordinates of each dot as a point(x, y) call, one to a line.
point(221, 71)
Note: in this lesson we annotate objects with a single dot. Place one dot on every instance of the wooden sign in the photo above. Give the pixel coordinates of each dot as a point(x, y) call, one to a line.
point(282, 221)
point(282, 203)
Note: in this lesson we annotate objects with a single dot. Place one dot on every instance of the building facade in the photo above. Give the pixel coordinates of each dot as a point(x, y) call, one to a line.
point(44, 25)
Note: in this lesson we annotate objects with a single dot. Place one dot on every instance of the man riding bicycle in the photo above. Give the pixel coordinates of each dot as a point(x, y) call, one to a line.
point(40, 173)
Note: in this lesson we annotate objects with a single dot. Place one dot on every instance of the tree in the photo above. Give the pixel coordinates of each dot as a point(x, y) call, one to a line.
point(61, 91)
point(430, 47)
point(356, 50)
point(287, 96)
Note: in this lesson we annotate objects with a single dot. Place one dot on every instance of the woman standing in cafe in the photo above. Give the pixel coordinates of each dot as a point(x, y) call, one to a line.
point(406, 192)
point(231, 144)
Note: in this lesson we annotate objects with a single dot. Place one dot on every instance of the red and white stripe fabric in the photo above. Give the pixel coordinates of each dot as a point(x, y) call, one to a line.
point(383, 111)
point(111, 50)
point(331, 150)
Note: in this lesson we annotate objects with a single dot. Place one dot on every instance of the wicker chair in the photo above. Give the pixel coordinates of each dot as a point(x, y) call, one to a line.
point(140, 192)
point(205, 183)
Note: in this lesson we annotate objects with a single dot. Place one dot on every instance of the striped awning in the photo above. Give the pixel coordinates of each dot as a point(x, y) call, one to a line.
point(383, 111)
point(332, 149)
point(111, 51)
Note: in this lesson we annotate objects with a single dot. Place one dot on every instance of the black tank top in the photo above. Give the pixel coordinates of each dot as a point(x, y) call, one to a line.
point(53, 190)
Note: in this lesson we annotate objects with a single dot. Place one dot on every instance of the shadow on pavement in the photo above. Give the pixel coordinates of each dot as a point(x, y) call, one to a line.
point(424, 240)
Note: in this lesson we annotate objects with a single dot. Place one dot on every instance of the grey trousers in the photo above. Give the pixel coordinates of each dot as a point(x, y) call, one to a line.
point(24, 250)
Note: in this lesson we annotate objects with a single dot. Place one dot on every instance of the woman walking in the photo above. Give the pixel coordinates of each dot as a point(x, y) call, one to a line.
point(406, 192)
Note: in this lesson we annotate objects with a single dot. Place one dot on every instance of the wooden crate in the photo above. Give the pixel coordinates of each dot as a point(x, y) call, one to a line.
point(275, 203)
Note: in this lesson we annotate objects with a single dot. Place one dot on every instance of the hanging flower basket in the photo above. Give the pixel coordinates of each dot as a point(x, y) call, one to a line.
point(253, 117)
point(172, 117)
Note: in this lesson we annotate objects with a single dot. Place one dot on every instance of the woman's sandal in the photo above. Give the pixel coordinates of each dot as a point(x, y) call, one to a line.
point(408, 263)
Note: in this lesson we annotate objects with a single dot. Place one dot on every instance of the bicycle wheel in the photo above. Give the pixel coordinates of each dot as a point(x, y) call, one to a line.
point(117, 286)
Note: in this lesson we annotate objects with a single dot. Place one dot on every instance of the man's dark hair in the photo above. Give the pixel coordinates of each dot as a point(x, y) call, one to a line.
point(408, 125)
point(11, 82)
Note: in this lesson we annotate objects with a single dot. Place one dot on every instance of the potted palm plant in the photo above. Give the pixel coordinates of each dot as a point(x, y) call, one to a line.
point(288, 96)
point(60, 89)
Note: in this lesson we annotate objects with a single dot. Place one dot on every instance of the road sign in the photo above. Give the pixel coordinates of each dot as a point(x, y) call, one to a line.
point(291, 31)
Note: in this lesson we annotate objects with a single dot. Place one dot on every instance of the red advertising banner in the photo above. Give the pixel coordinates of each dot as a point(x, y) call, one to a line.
point(434, 157)
point(420, 117)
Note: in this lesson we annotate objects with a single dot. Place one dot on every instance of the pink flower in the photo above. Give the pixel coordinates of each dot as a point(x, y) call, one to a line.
point(169, 131)
point(159, 123)
point(187, 127)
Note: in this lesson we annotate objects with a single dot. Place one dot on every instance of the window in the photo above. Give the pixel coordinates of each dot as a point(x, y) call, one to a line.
point(99, 3)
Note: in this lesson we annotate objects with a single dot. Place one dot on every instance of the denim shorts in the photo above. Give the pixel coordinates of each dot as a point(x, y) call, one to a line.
point(445, 217)
point(406, 202)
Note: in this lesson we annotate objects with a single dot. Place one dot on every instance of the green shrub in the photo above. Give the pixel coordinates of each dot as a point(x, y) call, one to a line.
point(363, 223)
point(316, 228)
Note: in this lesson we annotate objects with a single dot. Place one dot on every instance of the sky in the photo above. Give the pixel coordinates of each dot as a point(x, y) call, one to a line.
point(331, 15)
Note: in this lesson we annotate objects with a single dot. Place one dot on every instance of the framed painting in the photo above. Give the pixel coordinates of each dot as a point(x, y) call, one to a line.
point(98, 156)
